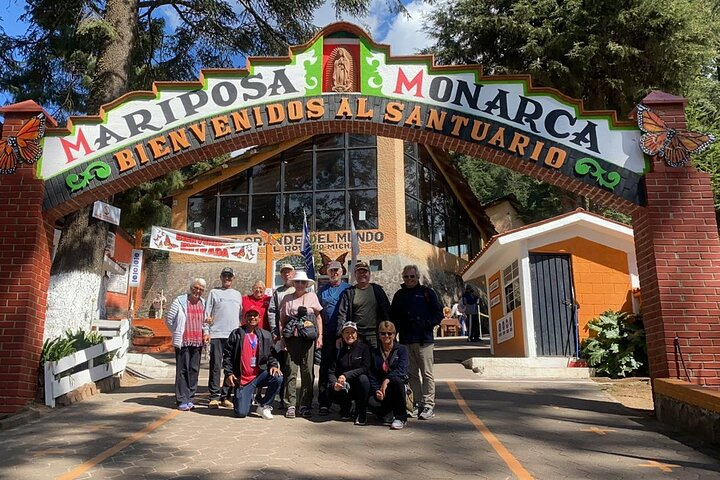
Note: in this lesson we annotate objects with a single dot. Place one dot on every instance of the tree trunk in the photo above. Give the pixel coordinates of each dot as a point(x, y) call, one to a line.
point(74, 294)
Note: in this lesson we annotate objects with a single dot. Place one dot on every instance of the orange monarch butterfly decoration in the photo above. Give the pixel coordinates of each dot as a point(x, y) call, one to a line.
point(23, 147)
point(326, 260)
point(675, 146)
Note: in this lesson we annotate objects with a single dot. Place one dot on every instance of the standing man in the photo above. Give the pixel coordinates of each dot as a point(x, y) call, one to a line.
point(416, 312)
point(185, 320)
point(366, 304)
point(287, 272)
point(224, 313)
point(329, 295)
point(249, 365)
point(469, 305)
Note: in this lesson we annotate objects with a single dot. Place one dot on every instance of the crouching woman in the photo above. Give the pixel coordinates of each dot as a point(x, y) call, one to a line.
point(388, 376)
point(348, 375)
point(249, 364)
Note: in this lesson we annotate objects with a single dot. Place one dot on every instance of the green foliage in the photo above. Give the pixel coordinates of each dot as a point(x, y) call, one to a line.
point(616, 346)
point(73, 341)
point(57, 348)
point(610, 54)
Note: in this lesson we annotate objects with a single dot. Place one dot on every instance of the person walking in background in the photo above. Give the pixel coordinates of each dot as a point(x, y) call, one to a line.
point(185, 320)
point(287, 272)
point(388, 377)
point(329, 296)
point(469, 305)
point(260, 302)
point(299, 315)
point(248, 364)
point(223, 315)
point(416, 312)
point(366, 304)
point(348, 375)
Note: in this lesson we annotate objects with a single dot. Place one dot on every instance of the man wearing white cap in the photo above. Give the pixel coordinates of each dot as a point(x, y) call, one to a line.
point(329, 296)
point(223, 315)
point(287, 272)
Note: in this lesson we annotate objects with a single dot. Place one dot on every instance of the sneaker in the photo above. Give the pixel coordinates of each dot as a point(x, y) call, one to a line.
point(214, 404)
point(290, 412)
point(345, 414)
point(426, 414)
point(413, 413)
point(264, 411)
point(227, 403)
point(397, 424)
point(185, 407)
point(361, 419)
point(305, 412)
point(324, 411)
point(191, 405)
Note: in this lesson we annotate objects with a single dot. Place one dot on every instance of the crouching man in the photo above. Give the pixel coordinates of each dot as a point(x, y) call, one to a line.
point(248, 364)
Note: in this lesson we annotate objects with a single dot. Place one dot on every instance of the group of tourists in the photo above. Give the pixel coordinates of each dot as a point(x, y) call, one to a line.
point(375, 354)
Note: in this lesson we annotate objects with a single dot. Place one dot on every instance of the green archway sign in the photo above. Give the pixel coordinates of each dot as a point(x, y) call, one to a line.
point(342, 75)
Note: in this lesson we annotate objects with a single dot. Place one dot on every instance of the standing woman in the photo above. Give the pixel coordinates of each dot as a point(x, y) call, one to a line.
point(298, 308)
point(388, 376)
point(259, 301)
point(185, 320)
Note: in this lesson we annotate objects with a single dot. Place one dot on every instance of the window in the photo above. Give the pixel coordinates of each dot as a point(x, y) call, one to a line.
point(327, 177)
point(432, 212)
point(511, 287)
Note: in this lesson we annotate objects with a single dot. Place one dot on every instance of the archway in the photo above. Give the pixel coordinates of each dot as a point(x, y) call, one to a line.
point(341, 81)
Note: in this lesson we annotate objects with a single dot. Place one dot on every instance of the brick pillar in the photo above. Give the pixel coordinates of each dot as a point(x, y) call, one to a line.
point(678, 255)
point(25, 243)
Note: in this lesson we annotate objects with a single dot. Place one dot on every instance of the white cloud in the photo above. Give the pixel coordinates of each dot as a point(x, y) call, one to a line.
point(404, 34)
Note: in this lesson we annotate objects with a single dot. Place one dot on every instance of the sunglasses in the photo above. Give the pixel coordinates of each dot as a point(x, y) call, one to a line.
point(387, 334)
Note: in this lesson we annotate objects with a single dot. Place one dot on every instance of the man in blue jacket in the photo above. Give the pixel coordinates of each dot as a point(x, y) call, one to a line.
point(416, 311)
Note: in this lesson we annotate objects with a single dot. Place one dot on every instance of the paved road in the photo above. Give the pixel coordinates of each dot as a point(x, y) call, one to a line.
point(483, 429)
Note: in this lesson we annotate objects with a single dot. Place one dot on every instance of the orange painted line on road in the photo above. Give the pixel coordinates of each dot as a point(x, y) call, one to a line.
point(496, 444)
point(85, 466)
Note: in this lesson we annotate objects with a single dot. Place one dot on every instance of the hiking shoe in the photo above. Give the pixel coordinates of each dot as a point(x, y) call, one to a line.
point(426, 414)
point(361, 419)
point(324, 411)
point(185, 407)
point(214, 404)
point(397, 424)
point(227, 403)
point(265, 411)
point(290, 412)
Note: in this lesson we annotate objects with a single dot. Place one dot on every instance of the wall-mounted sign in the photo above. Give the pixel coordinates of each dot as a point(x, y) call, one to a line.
point(203, 245)
point(505, 328)
point(118, 282)
point(106, 213)
point(344, 77)
point(494, 285)
point(494, 300)
point(135, 268)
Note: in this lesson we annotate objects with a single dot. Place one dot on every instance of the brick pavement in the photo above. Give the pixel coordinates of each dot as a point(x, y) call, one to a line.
point(552, 430)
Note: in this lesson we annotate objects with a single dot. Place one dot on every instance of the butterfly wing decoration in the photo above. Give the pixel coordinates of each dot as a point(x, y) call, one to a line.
point(325, 261)
point(678, 150)
point(672, 145)
point(23, 147)
point(341, 259)
point(656, 133)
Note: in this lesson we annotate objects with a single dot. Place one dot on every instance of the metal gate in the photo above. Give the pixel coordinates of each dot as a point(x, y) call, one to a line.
point(553, 304)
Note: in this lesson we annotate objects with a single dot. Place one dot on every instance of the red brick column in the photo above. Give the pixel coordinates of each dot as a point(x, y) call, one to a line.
point(25, 243)
point(678, 255)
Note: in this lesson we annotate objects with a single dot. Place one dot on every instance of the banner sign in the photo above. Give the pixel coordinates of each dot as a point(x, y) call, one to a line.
point(203, 245)
point(341, 75)
point(107, 213)
point(135, 268)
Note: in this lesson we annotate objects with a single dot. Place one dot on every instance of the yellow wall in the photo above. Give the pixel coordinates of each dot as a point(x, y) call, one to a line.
point(515, 347)
point(601, 278)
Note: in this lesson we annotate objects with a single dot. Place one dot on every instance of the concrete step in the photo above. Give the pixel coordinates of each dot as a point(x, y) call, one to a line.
point(539, 367)
point(147, 366)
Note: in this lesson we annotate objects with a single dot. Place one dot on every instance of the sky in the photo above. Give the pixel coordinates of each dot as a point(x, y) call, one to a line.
point(402, 32)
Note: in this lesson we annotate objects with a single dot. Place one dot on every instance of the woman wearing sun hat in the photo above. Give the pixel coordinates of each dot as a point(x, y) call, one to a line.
point(300, 307)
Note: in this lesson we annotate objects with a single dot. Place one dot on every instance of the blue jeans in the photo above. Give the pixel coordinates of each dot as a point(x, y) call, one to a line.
point(244, 394)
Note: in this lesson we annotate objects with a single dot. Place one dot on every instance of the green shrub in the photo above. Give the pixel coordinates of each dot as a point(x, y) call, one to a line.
point(57, 348)
point(616, 346)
